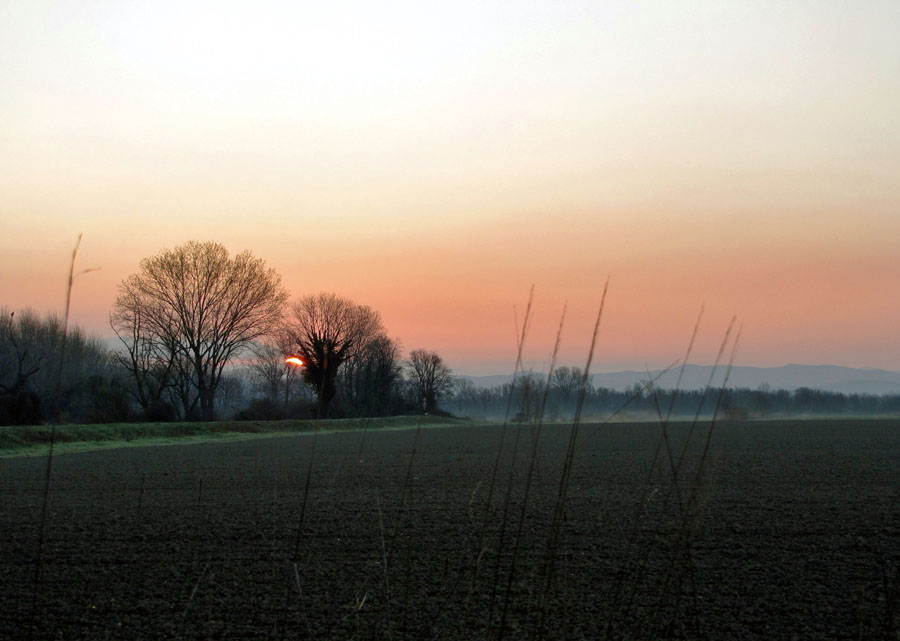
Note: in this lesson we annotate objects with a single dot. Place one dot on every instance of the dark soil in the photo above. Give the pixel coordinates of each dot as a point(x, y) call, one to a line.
point(784, 530)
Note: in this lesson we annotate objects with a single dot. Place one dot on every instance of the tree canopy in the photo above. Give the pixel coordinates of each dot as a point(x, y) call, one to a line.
point(193, 308)
point(431, 376)
point(325, 331)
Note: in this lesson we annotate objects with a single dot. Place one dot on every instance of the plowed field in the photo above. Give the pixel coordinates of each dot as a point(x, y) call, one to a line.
point(782, 530)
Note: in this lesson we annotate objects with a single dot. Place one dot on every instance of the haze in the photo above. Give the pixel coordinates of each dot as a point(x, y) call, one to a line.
point(435, 161)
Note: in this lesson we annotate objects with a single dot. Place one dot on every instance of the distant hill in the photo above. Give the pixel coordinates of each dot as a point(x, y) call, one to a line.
point(832, 378)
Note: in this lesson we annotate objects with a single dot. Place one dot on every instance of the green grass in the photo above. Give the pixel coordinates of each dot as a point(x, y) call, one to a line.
point(34, 440)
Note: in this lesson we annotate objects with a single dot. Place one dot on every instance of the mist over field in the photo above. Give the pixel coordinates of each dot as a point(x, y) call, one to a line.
point(832, 378)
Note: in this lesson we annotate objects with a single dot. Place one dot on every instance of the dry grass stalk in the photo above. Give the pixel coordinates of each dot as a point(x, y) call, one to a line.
point(528, 483)
point(621, 607)
point(559, 506)
point(36, 583)
point(474, 566)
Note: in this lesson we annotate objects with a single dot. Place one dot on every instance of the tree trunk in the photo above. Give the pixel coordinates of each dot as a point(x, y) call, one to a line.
point(207, 405)
point(328, 392)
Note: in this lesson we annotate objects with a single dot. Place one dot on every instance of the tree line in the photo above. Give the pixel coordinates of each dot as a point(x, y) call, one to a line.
point(34, 383)
point(559, 396)
point(202, 335)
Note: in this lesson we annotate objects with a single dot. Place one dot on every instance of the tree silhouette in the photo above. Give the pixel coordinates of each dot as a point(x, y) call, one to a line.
point(325, 331)
point(149, 359)
point(431, 377)
point(369, 382)
point(566, 381)
point(30, 369)
point(199, 308)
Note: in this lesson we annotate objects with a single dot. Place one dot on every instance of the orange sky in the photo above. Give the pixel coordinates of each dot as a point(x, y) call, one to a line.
point(434, 163)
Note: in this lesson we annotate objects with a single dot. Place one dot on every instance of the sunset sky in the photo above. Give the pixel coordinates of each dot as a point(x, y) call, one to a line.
point(433, 160)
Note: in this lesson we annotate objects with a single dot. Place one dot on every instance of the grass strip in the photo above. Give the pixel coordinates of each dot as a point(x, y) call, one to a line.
point(34, 440)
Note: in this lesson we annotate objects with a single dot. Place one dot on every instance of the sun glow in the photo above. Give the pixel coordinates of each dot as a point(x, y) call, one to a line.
point(293, 360)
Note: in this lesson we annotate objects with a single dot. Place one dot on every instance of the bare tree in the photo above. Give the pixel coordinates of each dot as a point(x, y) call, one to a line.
point(527, 394)
point(369, 380)
point(150, 360)
point(231, 394)
point(30, 368)
point(199, 307)
point(566, 381)
point(431, 376)
point(325, 331)
point(18, 362)
point(271, 376)
point(21, 357)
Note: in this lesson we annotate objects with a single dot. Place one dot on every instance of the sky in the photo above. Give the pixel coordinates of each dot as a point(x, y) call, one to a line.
point(436, 160)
